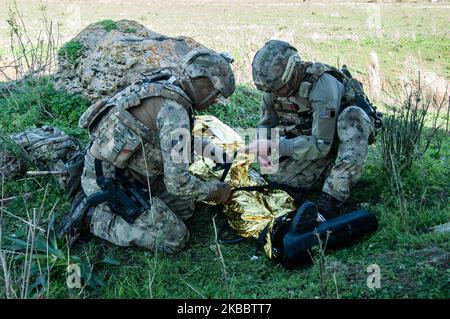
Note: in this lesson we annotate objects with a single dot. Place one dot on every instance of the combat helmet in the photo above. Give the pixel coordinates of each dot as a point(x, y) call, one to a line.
point(273, 65)
point(201, 63)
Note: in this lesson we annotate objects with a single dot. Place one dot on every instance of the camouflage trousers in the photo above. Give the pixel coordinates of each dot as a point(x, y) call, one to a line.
point(336, 173)
point(160, 227)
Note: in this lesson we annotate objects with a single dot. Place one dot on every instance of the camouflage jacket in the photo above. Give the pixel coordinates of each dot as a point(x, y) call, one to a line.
point(307, 120)
point(149, 133)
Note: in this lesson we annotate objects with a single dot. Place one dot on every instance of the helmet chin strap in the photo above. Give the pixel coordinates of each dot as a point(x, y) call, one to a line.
point(214, 93)
point(193, 92)
point(290, 68)
point(295, 77)
point(291, 72)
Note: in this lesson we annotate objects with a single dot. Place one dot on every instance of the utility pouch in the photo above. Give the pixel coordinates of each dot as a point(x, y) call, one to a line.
point(117, 141)
point(74, 169)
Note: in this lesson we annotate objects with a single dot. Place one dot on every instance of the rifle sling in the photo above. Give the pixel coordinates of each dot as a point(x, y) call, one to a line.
point(227, 166)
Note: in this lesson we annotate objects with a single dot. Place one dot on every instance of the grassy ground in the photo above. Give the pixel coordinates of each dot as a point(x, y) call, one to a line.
point(413, 261)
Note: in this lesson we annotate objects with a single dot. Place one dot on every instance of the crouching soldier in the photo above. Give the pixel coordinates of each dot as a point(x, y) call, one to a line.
point(325, 124)
point(136, 183)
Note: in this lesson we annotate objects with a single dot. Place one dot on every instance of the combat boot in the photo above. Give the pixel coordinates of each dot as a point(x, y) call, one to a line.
point(329, 206)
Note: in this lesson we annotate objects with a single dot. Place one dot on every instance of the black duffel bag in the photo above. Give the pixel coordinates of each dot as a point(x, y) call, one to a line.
point(294, 248)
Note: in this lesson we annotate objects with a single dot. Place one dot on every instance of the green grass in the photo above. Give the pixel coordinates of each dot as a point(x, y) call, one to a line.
point(130, 30)
point(108, 25)
point(36, 103)
point(72, 51)
point(331, 32)
point(414, 263)
point(242, 111)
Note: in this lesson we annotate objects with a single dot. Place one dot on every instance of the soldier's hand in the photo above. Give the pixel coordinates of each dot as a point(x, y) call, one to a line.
point(262, 148)
point(221, 193)
point(259, 147)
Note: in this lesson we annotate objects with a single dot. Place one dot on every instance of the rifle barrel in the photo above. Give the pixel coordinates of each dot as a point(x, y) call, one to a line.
point(43, 173)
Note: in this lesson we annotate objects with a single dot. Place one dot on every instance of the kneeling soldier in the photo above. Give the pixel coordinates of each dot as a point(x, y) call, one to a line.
point(136, 182)
point(324, 131)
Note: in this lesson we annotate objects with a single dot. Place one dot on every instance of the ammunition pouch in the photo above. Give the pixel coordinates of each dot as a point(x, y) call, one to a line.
point(74, 169)
point(119, 135)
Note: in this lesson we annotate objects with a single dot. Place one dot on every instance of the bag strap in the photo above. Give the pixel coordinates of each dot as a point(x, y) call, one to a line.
point(224, 235)
point(260, 242)
point(98, 171)
point(227, 166)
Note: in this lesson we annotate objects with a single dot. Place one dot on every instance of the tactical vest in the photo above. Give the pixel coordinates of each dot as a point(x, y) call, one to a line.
point(295, 113)
point(118, 133)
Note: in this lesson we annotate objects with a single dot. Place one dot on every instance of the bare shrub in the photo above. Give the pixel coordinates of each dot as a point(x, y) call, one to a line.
point(30, 56)
point(374, 76)
point(413, 120)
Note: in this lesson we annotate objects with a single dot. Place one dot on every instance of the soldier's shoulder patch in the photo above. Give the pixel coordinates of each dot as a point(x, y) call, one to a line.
point(327, 113)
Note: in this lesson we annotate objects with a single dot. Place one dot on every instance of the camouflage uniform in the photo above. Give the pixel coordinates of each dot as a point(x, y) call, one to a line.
point(173, 188)
point(320, 143)
point(136, 131)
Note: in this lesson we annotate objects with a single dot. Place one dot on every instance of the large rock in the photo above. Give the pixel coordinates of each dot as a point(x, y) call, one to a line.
point(107, 56)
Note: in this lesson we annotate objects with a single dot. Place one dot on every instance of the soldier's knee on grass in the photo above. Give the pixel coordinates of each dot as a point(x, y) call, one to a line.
point(159, 228)
point(176, 242)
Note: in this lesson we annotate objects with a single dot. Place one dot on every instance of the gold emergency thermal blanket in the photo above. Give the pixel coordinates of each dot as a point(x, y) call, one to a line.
point(247, 212)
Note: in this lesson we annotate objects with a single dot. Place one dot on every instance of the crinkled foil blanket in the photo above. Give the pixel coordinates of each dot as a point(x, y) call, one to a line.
point(247, 212)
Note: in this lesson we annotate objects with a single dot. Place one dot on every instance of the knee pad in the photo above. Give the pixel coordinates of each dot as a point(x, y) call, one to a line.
point(351, 112)
point(354, 129)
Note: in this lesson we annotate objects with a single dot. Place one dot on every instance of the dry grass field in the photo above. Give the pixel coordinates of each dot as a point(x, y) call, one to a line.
point(335, 32)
